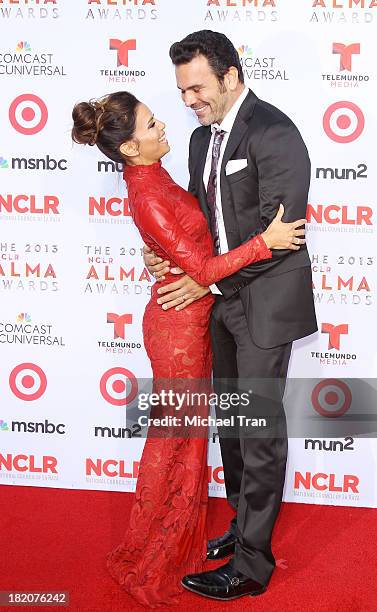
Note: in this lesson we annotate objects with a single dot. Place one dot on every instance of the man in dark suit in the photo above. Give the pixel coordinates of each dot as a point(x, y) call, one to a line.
point(245, 159)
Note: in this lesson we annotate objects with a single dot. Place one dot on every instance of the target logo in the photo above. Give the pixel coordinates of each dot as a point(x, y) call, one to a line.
point(118, 386)
point(343, 122)
point(28, 114)
point(331, 398)
point(28, 381)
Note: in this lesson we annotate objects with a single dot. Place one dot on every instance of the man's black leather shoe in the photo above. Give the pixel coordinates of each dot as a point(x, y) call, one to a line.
point(223, 583)
point(221, 547)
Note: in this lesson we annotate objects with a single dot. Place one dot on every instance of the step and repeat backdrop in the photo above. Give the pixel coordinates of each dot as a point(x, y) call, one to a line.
point(72, 280)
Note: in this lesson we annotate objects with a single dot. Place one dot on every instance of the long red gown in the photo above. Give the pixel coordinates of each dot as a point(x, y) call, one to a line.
point(166, 535)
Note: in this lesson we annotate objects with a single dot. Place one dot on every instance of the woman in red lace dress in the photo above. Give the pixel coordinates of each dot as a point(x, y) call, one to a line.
point(166, 536)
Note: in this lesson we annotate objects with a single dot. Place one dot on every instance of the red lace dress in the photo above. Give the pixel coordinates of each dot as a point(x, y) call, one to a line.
point(166, 535)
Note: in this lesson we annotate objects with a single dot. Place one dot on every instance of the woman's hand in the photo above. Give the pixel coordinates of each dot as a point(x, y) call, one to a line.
point(280, 235)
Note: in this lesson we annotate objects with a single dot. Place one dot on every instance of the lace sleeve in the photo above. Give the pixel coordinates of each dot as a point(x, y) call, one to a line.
point(157, 219)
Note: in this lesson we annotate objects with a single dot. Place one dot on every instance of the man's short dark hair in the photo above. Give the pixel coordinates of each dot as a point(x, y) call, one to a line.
point(216, 47)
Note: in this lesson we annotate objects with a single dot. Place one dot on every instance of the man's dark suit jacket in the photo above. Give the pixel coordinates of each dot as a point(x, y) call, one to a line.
point(276, 294)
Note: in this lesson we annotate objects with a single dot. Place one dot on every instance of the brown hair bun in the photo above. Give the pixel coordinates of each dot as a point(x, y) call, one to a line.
point(86, 122)
point(107, 122)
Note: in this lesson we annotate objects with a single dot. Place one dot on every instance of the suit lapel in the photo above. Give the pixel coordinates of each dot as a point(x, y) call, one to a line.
point(201, 160)
point(239, 128)
point(236, 135)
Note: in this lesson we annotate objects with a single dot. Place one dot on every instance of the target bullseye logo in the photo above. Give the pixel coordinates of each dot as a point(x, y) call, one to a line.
point(28, 381)
point(28, 114)
point(331, 398)
point(118, 386)
point(343, 121)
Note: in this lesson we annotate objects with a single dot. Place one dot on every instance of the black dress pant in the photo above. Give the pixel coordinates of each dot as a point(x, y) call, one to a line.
point(254, 459)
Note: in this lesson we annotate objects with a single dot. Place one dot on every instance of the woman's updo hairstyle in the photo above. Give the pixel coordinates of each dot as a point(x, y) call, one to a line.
point(107, 122)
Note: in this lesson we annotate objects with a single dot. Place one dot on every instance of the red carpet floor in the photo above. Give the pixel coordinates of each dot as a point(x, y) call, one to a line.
point(54, 539)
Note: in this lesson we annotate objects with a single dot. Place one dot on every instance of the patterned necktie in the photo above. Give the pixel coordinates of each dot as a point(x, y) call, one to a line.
point(211, 189)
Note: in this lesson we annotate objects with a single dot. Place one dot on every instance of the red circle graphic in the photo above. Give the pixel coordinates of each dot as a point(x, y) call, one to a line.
point(331, 397)
point(118, 386)
point(19, 387)
point(27, 114)
point(343, 121)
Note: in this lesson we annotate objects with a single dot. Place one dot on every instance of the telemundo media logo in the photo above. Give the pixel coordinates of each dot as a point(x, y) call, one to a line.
point(345, 60)
point(125, 67)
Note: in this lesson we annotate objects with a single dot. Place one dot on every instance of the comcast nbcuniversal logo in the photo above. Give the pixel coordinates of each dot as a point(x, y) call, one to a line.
point(24, 331)
point(23, 60)
point(261, 67)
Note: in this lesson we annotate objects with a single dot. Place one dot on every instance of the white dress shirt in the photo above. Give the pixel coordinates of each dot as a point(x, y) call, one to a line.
point(226, 125)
